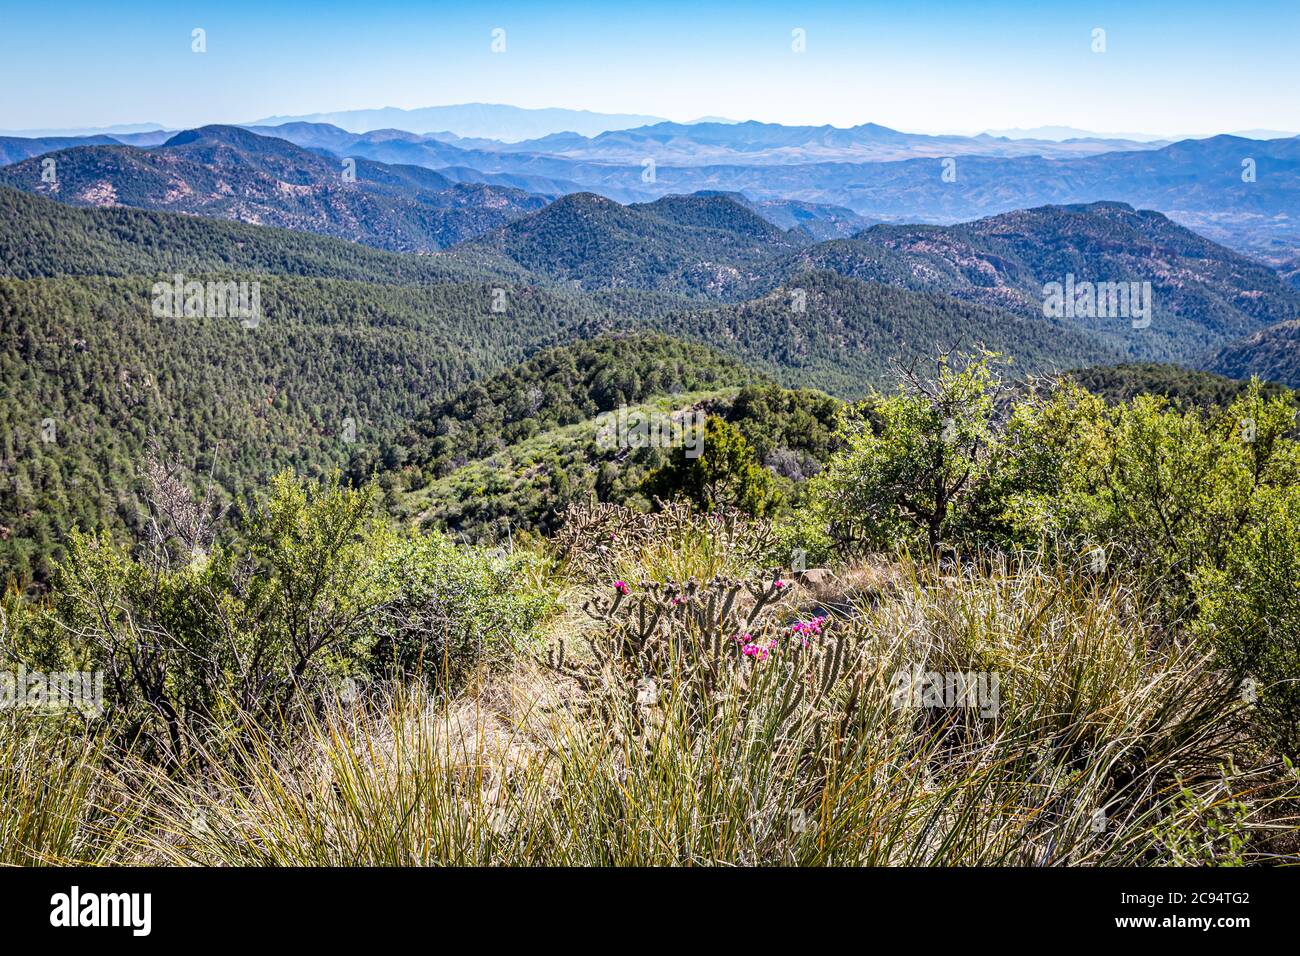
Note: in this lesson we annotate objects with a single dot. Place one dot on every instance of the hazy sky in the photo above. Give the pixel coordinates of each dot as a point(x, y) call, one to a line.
point(1184, 67)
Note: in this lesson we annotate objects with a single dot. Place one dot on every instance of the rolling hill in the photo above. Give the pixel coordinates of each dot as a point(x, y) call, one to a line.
point(695, 245)
point(1202, 293)
point(230, 173)
point(565, 385)
point(842, 335)
point(1273, 354)
point(43, 238)
point(351, 332)
point(511, 451)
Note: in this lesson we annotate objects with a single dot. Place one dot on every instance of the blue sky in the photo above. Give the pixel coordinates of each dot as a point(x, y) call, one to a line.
point(1189, 67)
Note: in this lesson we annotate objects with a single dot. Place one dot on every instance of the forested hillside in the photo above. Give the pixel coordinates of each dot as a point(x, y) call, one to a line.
point(825, 331)
point(1272, 353)
point(1202, 293)
point(1290, 271)
point(40, 237)
point(1185, 387)
point(89, 356)
point(562, 386)
point(356, 347)
point(704, 245)
point(230, 173)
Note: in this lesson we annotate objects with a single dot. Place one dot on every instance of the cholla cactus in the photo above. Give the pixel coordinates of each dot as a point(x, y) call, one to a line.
point(590, 533)
point(705, 643)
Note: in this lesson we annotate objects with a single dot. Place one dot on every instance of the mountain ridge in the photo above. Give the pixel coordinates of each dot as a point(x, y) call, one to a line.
point(231, 173)
point(471, 119)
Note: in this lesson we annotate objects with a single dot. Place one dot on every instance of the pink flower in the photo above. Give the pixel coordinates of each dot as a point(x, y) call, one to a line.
point(621, 587)
point(806, 629)
point(778, 584)
point(751, 648)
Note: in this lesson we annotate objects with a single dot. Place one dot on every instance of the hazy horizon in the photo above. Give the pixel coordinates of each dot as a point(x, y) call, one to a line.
point(1169, 70)
point(1047, 131)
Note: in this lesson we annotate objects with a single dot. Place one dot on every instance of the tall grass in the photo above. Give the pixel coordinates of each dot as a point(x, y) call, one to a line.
point(678, 542)
point(394, 779)
point(58, 806)
point(1110, 745)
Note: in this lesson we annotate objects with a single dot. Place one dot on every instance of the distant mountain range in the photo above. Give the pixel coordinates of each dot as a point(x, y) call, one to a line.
point(788, 226)
point(236, 173)
point(1060, 133)
point(230, 173)
point(1241, 192)
point(482, 120)
point(116, 130)
point(14, 149)
point(753, 143)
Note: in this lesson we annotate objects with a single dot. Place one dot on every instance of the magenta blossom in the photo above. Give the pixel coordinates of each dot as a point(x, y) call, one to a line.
point(621, 587)
point(752, 648)
point(808, 629)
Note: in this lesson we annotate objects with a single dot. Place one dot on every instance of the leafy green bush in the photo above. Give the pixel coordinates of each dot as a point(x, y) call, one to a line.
point(311, 589)
point(1250, 609)
point(911, 461)
point(1158, 491)
point(1195, 507)
point(457, 608)
point(187, 629)
point(724, 473)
